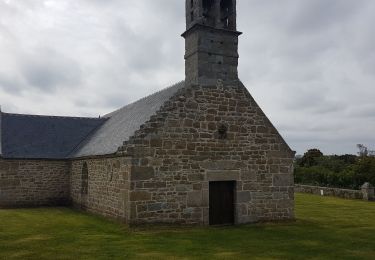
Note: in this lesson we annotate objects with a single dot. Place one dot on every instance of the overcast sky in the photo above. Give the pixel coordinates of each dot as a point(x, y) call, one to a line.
point(310, 64)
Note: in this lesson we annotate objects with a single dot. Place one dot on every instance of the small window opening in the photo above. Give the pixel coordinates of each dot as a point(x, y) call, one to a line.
point(222, 131)
point(84, 179)
point(226, 23)
point(192, 3)
point(110, 171)
point(226, 12)
point(192, 16)
point(207, 6)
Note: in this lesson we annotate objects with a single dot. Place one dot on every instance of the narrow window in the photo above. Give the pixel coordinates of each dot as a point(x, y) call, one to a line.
point(226, 12)
point(207, 6)
point(84, 179)
point(191, 3)
point(192, 16)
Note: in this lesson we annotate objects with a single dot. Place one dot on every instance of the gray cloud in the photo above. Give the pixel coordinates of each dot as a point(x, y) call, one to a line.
point(319, 16)
point(10, 85)
point(310, 64)
point(46, 70)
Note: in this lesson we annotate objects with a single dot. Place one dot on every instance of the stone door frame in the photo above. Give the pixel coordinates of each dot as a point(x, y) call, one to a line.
point(221, 175)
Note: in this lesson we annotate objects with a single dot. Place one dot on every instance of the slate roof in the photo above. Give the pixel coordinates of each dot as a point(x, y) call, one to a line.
point(51, 137)
point(43, 137)
point(123, 123)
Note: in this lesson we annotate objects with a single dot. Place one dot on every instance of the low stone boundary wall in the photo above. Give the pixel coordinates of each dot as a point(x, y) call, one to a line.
point(335, 192)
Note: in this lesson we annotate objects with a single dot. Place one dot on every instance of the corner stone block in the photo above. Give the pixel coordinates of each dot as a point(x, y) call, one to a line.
point(223, 175)
point(140, 196)
point(10, 183)
point(155, 206)
point(243, 197)
point(133, 210)
point(196, 177)
point(248, 175)
point(282, 180)
point(156, 143)
point(194, 199)
point(139, 173)
point(219, 165)
point(205, 198)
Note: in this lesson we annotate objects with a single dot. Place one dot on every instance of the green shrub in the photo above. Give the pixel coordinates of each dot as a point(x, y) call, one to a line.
point(365, 171)
point(346, 171)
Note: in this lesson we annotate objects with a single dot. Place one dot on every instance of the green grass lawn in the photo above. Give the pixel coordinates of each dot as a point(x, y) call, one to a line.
point(326, 228)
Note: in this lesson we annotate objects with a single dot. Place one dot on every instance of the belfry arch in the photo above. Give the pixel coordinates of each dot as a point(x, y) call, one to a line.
point(226, 11)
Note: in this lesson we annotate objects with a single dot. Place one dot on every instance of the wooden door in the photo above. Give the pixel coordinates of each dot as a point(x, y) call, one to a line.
point(222, 202)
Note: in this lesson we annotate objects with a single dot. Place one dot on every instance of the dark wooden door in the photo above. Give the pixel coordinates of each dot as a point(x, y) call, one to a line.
point(222, 202)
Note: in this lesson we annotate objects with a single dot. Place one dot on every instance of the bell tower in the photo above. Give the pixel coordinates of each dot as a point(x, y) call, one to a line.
point(211, 42)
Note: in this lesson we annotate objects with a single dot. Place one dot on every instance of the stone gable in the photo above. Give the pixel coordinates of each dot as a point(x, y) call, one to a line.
point(179, 151)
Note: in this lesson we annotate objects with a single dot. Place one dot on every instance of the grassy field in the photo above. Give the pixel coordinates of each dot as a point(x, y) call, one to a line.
point(326, 228)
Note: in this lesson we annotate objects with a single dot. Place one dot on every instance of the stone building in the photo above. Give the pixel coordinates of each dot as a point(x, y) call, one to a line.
point(199, 152)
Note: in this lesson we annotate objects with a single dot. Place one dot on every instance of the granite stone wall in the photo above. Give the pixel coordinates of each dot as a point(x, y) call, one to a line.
point(326, 191)
point(30, 183)
point(203, 134)
point(107, 186)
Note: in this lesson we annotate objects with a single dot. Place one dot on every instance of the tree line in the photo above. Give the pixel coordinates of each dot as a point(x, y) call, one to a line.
point(340, 171)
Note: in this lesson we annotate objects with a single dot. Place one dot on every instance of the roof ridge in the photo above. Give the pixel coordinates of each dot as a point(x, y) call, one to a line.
point(50, 116)
point(145, 97)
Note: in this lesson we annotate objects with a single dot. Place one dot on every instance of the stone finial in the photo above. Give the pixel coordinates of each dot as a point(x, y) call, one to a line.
point(368, 191)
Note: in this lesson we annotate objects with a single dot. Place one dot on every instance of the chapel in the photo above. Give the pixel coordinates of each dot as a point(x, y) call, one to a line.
point(200, 152)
